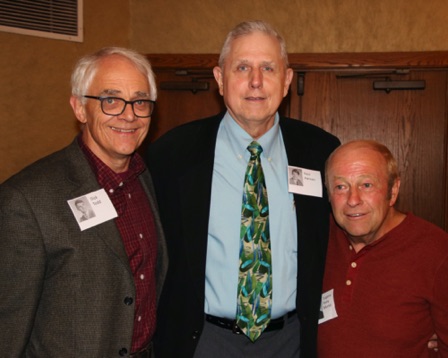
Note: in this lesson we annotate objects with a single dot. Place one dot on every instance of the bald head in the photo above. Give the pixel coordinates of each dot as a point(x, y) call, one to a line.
point(363, 186)
point(356, 146)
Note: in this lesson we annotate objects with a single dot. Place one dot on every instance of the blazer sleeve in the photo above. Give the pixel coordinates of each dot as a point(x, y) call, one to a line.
point(22, 269)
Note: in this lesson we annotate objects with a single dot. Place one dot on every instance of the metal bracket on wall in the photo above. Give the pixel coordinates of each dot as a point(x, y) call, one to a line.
point(194, 85)
point(389, 85)
point(300, 83)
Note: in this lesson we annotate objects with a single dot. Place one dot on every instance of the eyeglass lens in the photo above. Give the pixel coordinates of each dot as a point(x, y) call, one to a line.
point(115, 106)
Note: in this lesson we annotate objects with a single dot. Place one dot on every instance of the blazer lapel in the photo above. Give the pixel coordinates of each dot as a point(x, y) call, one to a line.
point(195, 184)
point(297, 154)
point(83, 182)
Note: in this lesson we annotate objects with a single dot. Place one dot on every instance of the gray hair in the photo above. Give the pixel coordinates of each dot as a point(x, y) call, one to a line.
point(248, 28)
point(86, 68)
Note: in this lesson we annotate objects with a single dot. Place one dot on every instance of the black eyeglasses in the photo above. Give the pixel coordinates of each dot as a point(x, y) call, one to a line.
point(114, 106)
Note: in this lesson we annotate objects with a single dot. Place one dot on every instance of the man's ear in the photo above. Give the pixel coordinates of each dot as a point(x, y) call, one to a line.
point(288, 80)
point(217, 72)
point(394, 192)
point(78, 109)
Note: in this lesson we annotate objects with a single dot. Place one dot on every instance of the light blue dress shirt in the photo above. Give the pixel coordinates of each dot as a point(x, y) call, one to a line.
point(231, 158)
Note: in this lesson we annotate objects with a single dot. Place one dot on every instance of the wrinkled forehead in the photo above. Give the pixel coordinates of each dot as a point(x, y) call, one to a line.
point(256, 46)
point(360, 160)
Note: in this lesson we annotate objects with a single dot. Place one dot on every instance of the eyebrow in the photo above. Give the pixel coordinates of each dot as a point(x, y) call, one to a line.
point(269, 63)
point(361, 177)
point(245, 62)
point(112, 92)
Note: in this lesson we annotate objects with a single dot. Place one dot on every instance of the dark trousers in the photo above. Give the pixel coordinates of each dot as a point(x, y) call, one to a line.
point(217, 342)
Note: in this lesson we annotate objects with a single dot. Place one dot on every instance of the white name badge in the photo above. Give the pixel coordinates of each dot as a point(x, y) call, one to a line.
point(304, 181)
point(92, 209)
point(327, 307)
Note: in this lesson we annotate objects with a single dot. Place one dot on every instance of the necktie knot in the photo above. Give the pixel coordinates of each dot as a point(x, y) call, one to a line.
point(255, 149)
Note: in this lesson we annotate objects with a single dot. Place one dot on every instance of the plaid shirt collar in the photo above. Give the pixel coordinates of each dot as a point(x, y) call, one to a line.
point(105, 176)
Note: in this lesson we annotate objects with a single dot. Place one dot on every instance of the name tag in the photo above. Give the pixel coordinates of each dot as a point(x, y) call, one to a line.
point(327, 307)
point(304, 181)
point(92, 209)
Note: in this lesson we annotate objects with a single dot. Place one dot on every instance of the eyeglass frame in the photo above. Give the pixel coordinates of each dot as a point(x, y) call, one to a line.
point(102, 98)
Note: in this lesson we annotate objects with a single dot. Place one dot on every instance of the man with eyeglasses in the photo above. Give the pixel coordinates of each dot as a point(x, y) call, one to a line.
point(86, 288)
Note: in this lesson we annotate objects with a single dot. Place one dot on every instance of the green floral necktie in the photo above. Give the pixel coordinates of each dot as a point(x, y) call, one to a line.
point(255, 274)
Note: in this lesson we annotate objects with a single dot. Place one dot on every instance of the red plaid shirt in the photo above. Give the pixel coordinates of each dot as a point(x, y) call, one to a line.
point(135, 223)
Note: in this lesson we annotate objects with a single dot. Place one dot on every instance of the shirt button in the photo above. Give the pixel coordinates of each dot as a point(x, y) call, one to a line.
point(128, 301)
point(121, 184)
point(348, 282)
point(111, 191)
point(139, 318)
point(353, 264)
point(142, 277)
point(129, 196)
point(141, 236)
point(350, 247)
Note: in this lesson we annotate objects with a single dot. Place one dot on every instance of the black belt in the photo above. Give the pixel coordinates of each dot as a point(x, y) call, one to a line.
point(144, 353)
point(274, 324)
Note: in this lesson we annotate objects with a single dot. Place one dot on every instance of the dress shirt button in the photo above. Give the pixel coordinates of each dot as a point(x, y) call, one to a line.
point(195, 335)
point(139, 318)
point(111, 191)
point(122, 352)
point(121, 184)
point(141, 236)
point(142, 277)
point(348, 282)
point(128, 301)
point(353, 264)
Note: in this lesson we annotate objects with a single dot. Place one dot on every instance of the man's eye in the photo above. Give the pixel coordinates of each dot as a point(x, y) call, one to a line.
point(242, 68)
point(110, 100)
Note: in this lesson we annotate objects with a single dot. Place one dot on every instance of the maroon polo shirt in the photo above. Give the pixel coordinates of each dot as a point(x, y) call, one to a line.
point(135, 223)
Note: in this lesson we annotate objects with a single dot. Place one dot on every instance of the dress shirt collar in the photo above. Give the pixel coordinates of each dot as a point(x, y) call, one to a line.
point(241, 139)
point(105, 176)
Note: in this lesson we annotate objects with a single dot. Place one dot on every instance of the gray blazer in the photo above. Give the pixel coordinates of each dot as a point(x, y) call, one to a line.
point(62, 290)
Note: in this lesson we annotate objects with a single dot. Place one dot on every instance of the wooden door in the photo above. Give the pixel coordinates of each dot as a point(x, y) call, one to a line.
point(412, 123)
point(184, 95)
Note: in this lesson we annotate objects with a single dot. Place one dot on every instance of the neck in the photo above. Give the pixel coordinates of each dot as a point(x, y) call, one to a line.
point(392, 220)
point(256, 129)
point(119, 165)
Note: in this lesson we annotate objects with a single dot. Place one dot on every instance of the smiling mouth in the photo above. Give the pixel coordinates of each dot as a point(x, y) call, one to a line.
point(123, 130)
point(354, 215)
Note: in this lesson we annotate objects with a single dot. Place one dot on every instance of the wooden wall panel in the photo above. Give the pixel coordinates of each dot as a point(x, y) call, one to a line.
point(412, 123)
point(176, 104)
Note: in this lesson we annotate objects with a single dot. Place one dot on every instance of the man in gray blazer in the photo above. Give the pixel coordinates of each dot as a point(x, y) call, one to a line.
point(74, 288)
